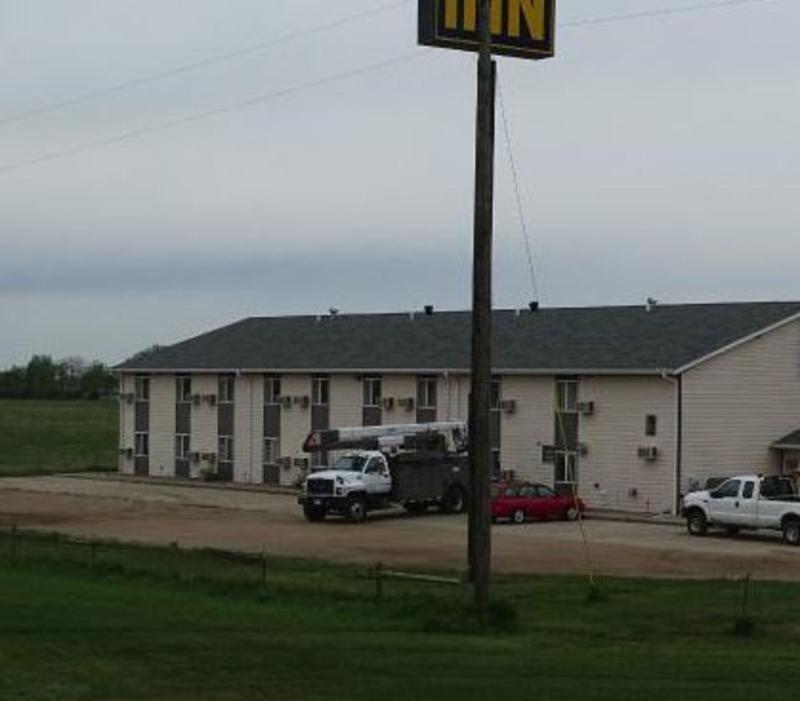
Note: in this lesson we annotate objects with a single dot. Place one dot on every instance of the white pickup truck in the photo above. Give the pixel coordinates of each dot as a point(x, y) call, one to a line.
point(747, 502)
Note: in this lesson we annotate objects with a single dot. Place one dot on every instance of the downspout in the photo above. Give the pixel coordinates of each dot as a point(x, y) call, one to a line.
point(677, 382)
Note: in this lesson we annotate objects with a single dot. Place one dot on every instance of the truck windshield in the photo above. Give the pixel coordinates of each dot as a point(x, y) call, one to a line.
point(355, 463)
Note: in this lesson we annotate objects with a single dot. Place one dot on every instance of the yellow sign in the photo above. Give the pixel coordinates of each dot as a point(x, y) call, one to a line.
point(521, 28)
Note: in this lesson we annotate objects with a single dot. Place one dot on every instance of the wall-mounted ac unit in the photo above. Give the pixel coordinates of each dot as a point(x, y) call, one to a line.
point(509, 406)
point(195, 456)
point(210, 458)
point(127, 397)
point(406, 402)
point(285, 462)
point(388, 402)
point(583, 449)
point(301, 462)
point(126, 452)
point(302, 401)
point(648, 452)
point(586, 408)
point(285, 402)
point(210, 398)
point(197, 399)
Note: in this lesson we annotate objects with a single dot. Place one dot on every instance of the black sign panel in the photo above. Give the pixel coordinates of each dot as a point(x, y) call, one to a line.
point(520, 28)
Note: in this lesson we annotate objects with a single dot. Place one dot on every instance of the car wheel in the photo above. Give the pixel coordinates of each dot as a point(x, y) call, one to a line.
point(455, 501)
point(571, 513)
point(357, 511)
point(791, 531)
point(518, 516)
point(696, 522)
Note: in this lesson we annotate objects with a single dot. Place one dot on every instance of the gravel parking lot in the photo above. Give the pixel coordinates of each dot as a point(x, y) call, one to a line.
point(255, 520)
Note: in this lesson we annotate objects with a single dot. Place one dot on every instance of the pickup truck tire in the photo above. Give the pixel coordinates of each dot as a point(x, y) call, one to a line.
point(455, 500)
point(314, 513)
point(357, 509)
point(696, 522)
point(791, 531)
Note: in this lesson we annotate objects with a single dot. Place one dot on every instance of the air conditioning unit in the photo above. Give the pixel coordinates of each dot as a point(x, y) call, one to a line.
point(586, 408)
point(126, 452)
point(194, 456)
point(509, 406)
point(406, 402)
point(197, 399)
point(210, 398)
point(303, 401)
point(127, 397)
point(285, 402)
point(301, 462)
point(388, 402)
point(508, 476)
point(649, 453)
point(285, 462)
point(583, 449)
point(210, 458)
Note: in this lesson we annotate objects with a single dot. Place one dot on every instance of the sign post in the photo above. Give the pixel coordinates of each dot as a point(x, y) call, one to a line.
point(524, 29)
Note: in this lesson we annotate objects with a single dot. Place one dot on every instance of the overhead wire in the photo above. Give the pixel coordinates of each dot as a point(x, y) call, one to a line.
point(266, 97)
point(200, 63)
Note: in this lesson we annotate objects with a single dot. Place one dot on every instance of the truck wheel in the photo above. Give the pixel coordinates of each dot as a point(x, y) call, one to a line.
point(415, 508)
point(518, 517)
point(455, 501)
point(357, 511)
point(314, 513)
point(696, 522)
point(791, 531)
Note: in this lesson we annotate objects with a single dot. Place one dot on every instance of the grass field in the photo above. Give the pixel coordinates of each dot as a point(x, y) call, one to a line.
point(118, 622)
point(41, 437)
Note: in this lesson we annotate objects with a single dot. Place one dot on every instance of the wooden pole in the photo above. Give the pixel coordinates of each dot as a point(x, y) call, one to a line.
point(479, 539)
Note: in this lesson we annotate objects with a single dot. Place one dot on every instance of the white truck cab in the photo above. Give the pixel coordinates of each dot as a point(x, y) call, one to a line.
point(746, 502)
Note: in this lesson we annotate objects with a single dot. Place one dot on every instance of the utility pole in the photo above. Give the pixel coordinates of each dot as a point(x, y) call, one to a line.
point(479, 537)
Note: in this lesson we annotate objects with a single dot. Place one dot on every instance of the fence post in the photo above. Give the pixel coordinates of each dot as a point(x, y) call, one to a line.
point(379, 581)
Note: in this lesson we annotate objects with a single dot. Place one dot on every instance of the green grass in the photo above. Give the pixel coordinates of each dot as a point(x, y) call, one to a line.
point(43, 437)
point(127, 622)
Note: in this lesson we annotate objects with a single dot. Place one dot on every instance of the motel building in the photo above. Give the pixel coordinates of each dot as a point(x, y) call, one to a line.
point(633, 405)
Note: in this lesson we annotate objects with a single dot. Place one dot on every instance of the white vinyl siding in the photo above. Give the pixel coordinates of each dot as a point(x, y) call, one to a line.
point(204, 422)
point(127, 412)
point(400, 387)
point(739, 403)
point(162, 426)
point(295, 423)
point(529, 428)
point(248, 421)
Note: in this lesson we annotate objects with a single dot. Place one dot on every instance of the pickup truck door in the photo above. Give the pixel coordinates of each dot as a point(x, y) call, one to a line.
point(725, 503)
point(376, 476)
point(746, 507)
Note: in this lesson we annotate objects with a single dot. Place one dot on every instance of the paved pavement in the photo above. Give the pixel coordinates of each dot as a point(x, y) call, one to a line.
point(254, 520)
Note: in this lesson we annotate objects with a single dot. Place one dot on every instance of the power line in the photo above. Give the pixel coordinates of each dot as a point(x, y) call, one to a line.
point(243, 104)
point(517, 192)
point(197, 65)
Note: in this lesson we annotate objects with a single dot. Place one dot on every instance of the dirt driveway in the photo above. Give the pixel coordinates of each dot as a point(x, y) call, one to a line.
point(254, 521)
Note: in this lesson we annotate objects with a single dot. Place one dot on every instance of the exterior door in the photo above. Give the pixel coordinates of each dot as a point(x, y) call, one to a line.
point(376, 476)
point(747, 510)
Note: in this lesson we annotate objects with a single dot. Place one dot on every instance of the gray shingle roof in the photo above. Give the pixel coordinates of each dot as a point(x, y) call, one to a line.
point(593, 338)
point(790, 441)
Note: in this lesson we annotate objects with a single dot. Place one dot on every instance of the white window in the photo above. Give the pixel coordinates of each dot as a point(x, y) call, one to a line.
point(372, 390)
point(226, 388)
point(182, 443)
point(271, 450)
point(566, 468)
point(141, 445)
point(426, 392)
point(183, 389)
point(272, 389)
point(567, 396)
point(320, 390)
point(141, 386)
point(226, 449)
point(651, 425)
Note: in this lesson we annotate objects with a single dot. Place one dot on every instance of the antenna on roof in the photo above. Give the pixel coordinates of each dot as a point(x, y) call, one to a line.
point(651, 304)
point(333, 311)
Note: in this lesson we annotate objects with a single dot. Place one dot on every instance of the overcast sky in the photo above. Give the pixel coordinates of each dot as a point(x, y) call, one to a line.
point(657, 157)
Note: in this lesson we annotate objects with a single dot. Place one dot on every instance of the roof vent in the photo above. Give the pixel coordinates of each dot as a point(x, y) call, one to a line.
point(428, 310)
point(334, 312)
point(651, 304)
point(534, 306)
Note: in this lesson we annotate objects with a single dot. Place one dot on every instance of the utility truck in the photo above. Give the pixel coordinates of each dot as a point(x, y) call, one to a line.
point(415, 465)
point(747, 502)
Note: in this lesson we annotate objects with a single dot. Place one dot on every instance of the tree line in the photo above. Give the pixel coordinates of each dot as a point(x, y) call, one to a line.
point(70, 378)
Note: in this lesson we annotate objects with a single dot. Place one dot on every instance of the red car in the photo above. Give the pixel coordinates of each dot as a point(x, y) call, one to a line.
point(519, 502)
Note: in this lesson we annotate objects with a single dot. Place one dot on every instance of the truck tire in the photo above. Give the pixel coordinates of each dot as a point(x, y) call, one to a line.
point(357, 509)
point(314, 513)
point(415, 508)
point(455, 500)
point(791, 531)
point(696, 522)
